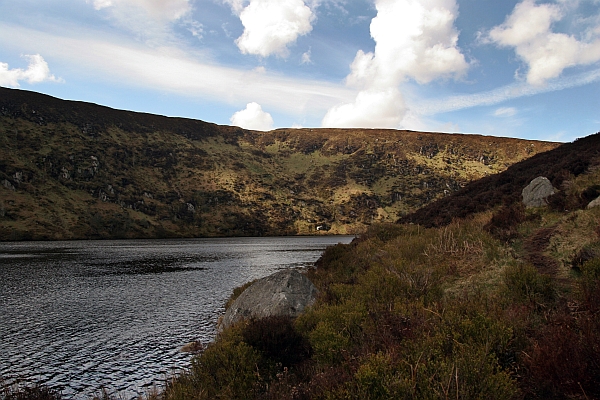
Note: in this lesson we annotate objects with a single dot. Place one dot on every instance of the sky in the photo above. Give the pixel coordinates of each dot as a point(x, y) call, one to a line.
point(514, 68)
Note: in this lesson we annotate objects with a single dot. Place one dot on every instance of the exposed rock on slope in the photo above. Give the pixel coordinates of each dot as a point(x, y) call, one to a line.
point(536, 193)
point(73, 170)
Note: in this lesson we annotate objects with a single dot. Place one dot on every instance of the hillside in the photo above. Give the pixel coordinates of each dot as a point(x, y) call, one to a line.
point(73, 170)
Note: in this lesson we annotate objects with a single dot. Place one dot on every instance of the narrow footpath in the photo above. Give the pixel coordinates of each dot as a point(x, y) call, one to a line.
point(535, 246)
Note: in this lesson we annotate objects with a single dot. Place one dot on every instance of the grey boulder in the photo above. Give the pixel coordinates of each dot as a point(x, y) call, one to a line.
point(284, 293)
point(536, 193)
point(594, 203)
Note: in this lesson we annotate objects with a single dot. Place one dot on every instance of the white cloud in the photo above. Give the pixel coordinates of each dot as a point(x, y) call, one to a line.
point(168, 10)
point(529, 30)
point(499, 95)
point(253, 117)
point(149, 19)
point(271, 25)
point(306, 58)
point(371, 109)
point(195, 28)
point(413, 39)
point(37, 71)
point(505, 112)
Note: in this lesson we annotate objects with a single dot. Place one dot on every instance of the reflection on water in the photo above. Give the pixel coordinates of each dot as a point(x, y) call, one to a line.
point(83, 315)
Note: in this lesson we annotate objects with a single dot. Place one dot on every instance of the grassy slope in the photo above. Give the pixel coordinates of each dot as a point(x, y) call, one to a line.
point(79, 170)
point(501, 304)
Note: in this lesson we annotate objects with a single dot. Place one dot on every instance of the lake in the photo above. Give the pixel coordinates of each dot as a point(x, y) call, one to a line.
point(82, 315)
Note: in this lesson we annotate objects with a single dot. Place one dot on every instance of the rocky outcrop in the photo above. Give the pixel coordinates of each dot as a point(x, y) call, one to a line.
point(536, 193)
point(284, 293)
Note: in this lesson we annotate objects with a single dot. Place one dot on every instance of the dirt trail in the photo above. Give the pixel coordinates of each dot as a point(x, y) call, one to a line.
point(534, 251)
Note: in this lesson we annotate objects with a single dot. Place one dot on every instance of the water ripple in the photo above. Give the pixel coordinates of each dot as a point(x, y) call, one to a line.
point(83, 315)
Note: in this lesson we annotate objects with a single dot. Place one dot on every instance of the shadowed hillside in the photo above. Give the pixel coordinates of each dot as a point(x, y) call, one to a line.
point(78, 170)
point(563, 163)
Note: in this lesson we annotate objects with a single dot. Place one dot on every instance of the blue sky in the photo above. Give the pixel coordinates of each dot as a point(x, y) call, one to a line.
point(526, 68)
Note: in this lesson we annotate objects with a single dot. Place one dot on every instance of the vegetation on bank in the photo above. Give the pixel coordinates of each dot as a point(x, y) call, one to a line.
point(503, 304)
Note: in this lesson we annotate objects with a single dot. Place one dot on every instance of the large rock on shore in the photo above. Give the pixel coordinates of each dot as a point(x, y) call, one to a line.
point(536, 193)
point(285, 293)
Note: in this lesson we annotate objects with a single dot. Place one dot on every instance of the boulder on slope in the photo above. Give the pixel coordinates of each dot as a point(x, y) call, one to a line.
point(536, 193)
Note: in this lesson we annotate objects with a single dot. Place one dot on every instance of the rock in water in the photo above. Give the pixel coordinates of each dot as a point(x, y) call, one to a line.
point(284, 293)
point(536, 193)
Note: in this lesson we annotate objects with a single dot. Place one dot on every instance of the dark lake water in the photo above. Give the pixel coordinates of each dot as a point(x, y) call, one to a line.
point(83, 315)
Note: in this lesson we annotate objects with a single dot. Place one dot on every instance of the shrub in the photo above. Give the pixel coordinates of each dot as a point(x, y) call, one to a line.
point(228, 369)
point(374, 378)
point(329, 343)
point(28, 392)
point(505, 221)
point(277, 339)
point(590, 284)
point(524, 283)
point(564, 360)
point(584, 255)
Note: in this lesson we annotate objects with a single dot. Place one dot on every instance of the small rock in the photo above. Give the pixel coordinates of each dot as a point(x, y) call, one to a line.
point(192, 347)
point(6, 183)
point(284, 293)
point(536, 193)
point(594, 203)
point(584, 255)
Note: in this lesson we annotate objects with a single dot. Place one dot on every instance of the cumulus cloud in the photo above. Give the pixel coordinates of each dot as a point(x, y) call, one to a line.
point(413, 40)
point(37, 71)
point(371, 109)
point(253, 117)
point(271, 25)
point(529, 30)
